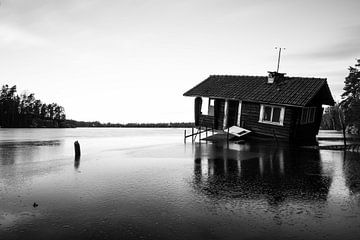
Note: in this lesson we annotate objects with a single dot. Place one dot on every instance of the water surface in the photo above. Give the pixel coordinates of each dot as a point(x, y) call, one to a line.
point(148, 184)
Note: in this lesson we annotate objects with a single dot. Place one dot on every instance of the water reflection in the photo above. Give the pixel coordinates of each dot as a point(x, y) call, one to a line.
point(12, 152)
point(30, 143)
point(260, 172)
point(77, 162)
point(351, 168)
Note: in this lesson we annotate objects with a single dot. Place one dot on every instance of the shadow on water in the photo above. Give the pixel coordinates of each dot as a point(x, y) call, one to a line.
point(260, 171)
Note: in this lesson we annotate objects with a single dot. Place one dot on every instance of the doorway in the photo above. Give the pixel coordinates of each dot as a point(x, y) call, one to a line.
point(233, 108)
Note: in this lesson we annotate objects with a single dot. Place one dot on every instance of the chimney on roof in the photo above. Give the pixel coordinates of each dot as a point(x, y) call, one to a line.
point(275, 77)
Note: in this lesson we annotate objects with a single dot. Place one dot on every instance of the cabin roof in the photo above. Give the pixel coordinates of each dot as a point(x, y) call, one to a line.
point(294, 91)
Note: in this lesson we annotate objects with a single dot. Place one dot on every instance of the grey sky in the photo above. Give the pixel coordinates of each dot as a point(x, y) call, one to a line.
point(118, 60)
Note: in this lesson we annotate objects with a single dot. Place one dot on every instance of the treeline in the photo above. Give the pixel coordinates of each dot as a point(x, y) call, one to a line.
point(73, 123)
point(25, 110)
point(348, 110)
point(331, 118)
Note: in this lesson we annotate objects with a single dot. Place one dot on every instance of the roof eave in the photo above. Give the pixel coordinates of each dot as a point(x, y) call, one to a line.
point(246, 100)
point(331, 101)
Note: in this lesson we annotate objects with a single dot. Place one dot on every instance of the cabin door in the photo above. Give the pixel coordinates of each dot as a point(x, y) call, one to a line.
point(232, 113)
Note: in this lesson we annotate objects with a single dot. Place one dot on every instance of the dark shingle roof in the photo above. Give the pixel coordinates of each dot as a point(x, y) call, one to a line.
point(295, 91)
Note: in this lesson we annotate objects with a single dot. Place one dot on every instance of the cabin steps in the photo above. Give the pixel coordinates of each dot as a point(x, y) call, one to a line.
point(232, 133)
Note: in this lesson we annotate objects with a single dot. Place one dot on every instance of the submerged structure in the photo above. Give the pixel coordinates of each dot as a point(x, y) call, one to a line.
point(289, 108)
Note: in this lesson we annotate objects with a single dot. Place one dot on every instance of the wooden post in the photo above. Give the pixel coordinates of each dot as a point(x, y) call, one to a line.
point(206, 133)
point(227, 138)
point(341, 117)
point(192, 134)
point(77, 149)
point(239, 114)
point(226, 112)
point(200, 136)
point(185, 136)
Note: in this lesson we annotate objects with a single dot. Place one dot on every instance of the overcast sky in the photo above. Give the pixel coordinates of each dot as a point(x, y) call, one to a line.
point(131, 60)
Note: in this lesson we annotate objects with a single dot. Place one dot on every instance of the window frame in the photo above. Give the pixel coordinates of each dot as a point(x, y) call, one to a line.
point(262, 114)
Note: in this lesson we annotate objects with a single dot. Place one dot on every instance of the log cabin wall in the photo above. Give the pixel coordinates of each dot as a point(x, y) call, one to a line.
point(311, 92)
point(292, 129)
point(217, 120)
point(307, 131)
point(206, 121)
point(250, 117)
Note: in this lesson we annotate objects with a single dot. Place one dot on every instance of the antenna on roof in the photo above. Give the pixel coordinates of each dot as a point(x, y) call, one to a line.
point(278, 63)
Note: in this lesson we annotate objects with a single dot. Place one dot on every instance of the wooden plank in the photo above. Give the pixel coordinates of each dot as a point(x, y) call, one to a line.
point(237, 131)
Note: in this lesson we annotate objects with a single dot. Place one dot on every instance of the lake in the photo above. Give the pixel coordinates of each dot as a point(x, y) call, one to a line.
point(148, 184)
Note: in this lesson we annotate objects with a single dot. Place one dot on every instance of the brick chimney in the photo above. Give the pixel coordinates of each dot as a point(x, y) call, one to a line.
point(275, 77)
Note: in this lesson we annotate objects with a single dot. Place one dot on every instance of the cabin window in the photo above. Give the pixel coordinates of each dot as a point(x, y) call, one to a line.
point(207, 107)
point(272, 114)
point(267, 113)
point(308, 115)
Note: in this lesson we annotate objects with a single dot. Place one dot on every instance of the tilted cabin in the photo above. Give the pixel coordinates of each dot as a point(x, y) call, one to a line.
point(289, 108)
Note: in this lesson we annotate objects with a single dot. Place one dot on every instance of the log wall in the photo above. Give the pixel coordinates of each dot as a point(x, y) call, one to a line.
point(250, 118)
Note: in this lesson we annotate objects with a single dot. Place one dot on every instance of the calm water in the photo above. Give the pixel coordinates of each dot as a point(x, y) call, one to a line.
point(148, 184)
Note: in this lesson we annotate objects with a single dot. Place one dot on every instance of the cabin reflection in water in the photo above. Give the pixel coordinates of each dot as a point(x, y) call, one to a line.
point(256, 171)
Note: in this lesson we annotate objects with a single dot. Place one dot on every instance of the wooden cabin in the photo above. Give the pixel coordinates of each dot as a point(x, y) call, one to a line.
point(288, 108)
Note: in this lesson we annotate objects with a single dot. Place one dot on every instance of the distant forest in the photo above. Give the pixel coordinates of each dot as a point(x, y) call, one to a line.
point(73, 123)
point(25, 110)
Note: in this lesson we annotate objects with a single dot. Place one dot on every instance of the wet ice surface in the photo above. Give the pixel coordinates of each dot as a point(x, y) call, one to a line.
point(147, 184)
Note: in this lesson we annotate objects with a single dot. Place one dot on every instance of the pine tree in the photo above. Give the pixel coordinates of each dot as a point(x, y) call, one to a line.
point(352, 86)
point(351, 96)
